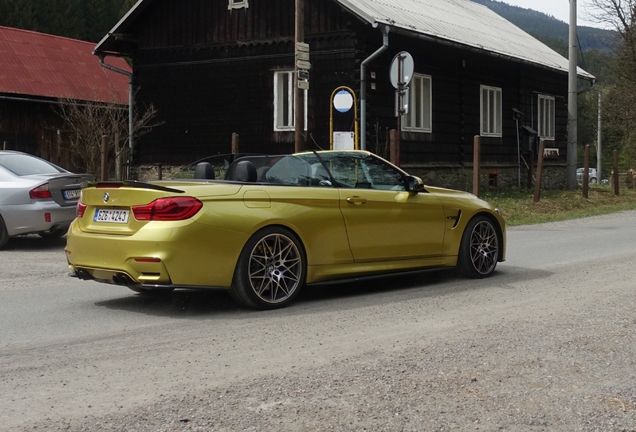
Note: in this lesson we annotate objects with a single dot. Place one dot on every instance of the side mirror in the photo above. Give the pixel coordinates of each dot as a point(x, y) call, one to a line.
point(414, 184)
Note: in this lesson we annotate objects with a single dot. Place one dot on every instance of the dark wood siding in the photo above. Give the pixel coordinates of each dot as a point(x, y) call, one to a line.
point(32, 127)
point(209, 71)
point(208, 86)
point(178, 23)
point(457, 75)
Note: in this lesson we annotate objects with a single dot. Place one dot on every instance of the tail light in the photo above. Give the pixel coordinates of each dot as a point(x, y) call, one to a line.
point(168, 209)
point(81, 208)
point(40, 192)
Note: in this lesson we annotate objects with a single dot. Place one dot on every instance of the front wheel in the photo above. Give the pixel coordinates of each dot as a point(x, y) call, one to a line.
point(270, 271)
point(479, 249)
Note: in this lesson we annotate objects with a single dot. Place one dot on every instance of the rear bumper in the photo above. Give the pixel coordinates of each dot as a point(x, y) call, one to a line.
point(160, 255)
point(30, 218)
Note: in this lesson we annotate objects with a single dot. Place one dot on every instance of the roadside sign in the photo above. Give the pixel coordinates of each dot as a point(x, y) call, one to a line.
point(302, 55)
point(303, 64)
point(403, 65)
point(303, 85)
point(301, 46)
point(303, 74)
point(343, 101)
point(402, 102)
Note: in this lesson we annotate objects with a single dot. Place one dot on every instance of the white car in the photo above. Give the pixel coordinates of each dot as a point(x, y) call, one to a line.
point(592, 178)
point(36, 196)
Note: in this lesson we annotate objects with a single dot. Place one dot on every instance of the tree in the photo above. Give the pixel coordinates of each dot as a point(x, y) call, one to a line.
point(619, 99)
point(78, 19)
point(88, 122)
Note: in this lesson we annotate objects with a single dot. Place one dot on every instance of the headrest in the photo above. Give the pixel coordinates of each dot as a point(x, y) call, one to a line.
point(245, 172)
point(204, 170)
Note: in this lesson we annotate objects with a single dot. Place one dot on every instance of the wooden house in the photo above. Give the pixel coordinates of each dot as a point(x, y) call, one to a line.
point(37, 71)
point(216, 67)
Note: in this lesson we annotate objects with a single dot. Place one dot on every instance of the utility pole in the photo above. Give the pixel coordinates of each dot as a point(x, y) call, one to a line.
point(599, 135)
point(572, 101)
point(299, 114)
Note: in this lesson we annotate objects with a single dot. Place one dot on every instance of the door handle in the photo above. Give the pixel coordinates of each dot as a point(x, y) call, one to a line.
point(356, 200)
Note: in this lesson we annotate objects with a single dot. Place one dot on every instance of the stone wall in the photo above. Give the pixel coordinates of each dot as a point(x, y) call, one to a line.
point(460, 178)
point(151, 172)
point(490, 177)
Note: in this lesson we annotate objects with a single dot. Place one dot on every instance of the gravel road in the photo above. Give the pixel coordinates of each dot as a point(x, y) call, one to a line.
point(530, 349)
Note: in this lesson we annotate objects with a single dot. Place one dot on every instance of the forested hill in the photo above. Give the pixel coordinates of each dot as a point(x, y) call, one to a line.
point(88, 20)
point(549, 29)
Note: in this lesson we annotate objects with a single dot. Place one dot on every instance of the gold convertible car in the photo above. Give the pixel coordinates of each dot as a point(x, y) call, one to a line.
point(262, 227)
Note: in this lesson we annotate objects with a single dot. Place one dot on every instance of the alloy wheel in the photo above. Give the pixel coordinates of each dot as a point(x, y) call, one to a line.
point(275, 268)
point(484, 247)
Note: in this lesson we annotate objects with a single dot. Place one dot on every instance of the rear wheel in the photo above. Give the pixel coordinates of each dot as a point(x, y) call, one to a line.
point(4, 235)
point(270, 271)
point(479, 249)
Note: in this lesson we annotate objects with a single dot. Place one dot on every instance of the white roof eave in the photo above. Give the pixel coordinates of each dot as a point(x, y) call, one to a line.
point(427, 19)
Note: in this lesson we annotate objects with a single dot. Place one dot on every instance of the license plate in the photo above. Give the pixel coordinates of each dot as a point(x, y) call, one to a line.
point(110, 215)
point(71, 194)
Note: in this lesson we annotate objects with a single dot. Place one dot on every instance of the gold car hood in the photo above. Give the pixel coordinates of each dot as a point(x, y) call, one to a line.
point(455, 201)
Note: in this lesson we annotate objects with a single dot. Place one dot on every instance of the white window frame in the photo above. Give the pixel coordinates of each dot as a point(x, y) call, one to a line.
point(420, 115)
point(286, 124)
point(238, 4)
point(490, 111)
point(546, 117)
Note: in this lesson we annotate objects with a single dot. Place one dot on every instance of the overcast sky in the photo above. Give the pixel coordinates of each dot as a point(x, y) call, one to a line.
point(559, 9)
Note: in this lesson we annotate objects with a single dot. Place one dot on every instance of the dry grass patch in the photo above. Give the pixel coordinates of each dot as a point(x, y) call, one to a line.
point(518, 207)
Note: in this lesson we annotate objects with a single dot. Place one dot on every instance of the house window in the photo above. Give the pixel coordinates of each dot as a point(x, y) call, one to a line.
point(546, 117)
point(490, 111)
point(238, 4)
point(419, 117)
point(284, 101)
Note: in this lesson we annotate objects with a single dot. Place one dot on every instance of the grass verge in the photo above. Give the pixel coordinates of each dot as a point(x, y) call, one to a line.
point(519, 208)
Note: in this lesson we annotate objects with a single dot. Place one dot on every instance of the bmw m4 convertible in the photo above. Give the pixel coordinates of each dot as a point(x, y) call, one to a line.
point(263, 227)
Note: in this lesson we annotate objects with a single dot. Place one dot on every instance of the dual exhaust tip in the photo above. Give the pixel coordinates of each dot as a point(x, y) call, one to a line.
point(122, 279)
point(118, 278)
point(83, 274)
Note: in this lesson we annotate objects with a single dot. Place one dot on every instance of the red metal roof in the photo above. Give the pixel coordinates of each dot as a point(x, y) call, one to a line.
point(37, 64)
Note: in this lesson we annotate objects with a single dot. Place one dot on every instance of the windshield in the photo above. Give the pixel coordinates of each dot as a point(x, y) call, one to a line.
point(24, 165)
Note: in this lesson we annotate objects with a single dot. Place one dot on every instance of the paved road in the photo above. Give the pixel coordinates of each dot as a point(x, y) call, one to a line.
point(83, 356)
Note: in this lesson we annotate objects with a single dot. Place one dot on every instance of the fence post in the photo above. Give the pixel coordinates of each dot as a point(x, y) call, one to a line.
point(476, 154)
point(615, 162)
point(393, 149)
point(586, 171)
point(537, 184)
point(104, 166)
point(530, 168)
point(235, 143)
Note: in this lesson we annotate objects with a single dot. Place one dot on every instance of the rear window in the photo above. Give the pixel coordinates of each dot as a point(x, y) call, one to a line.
point(24, 165)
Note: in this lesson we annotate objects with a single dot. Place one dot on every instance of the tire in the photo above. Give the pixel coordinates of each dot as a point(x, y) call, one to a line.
point(4, 235)
point(593, 180)
point(479, 249)
point(270, 271)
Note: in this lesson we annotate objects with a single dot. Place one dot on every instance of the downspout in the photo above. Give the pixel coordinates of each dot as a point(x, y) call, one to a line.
point(130, 99)
point(363, 85)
